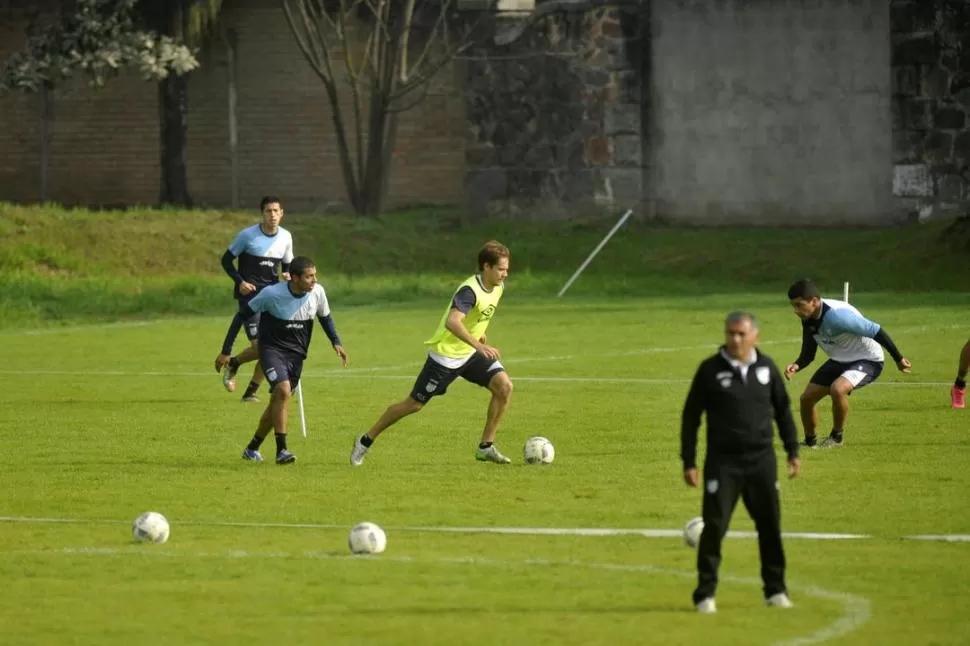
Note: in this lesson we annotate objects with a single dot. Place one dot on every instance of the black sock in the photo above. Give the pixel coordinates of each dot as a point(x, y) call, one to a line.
point(960, 383)
point(251, 389)
point(836, 434)
point(255, 443)
point(233, 363)
point(484, 445)
point(366, 441)
point(280, 442)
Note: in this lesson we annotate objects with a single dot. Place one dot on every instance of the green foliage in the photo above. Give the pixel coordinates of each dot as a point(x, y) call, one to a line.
point(57, 263)
point(97, 40)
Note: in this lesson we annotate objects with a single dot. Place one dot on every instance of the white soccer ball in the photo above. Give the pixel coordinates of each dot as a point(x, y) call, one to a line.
point(693, 530)
point(538, 450)
point(150, 527)
point(367, 538)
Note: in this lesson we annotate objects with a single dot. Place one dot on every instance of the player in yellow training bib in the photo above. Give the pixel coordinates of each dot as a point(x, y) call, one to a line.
point(459, 348)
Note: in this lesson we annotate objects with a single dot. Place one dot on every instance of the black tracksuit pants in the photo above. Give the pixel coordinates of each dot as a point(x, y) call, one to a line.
point(753, 479)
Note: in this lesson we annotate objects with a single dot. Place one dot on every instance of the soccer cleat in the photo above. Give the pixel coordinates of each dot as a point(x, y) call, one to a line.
point(811, 441)
point(252, 456)
point(831, 443)
point(229, 377)
point(250, 398)
point(706, 606)
point(779, 600)
point(358, 454)
point(958, 397)
point(491, 454)
point(285, 457)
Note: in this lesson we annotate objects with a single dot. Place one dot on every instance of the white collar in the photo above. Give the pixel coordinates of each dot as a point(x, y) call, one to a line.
point(740, 364)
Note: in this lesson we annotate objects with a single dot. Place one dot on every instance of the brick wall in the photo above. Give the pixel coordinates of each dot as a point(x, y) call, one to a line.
point(104, 143)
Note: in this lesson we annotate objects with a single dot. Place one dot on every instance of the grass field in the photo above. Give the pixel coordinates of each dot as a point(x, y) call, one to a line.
point(103, 422)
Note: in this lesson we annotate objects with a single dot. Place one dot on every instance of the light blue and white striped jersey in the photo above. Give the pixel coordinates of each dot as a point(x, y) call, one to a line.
point(844, 333)
point(286, 321)
point(260, 255)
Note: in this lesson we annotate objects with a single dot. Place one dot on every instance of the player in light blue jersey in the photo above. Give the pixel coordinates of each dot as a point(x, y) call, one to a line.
point(854, 345)
point(285, 328)
point(958, 393)
point(263, 250)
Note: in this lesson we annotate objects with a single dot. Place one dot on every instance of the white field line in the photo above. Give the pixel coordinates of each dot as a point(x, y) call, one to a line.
point(546, 531)
point(78, 328)
point(856, 610)
point(350, 375)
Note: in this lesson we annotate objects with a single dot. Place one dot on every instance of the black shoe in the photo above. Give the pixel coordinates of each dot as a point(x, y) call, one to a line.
point(811, 441)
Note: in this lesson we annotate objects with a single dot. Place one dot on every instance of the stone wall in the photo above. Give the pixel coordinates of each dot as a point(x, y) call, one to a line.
point(930, 104)
point(554, 119)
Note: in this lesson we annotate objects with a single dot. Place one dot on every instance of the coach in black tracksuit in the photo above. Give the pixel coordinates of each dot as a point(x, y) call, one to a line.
point(743, 393)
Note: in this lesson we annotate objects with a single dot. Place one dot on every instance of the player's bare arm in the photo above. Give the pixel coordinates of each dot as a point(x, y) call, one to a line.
point(339, 349)
point(691, 477)
point(454, 325)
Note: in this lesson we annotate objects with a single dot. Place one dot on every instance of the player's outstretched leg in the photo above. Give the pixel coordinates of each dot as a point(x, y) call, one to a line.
point(501, 387)
point(250, 394)
point(813, 394)
point(391, 415)
point(251, 452)
point(958, 393)
point(839, 392)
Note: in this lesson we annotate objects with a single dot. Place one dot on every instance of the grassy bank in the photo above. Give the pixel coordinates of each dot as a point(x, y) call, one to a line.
point(63, 265)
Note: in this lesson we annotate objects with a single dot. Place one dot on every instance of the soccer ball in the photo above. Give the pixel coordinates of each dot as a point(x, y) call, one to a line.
point(538, 450)
point(367, 538)
point(692, 531)
point(150, 527)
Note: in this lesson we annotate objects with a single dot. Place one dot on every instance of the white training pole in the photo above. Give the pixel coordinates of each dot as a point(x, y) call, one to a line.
point(299, 393)
point(595, 251)
point(845, 291)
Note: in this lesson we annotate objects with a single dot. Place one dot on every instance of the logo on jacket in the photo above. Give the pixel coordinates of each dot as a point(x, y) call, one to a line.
point(725, 378)
point(763, 373)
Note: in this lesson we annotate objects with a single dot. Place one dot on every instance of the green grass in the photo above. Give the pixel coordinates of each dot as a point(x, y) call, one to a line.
point(104, 422)
point(60, 265)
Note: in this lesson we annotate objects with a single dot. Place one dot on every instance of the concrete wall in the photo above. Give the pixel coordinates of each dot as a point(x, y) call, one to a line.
point(770, 111)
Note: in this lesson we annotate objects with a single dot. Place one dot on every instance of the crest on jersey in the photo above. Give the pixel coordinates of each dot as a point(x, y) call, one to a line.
point(763, 373)
point(725, 378)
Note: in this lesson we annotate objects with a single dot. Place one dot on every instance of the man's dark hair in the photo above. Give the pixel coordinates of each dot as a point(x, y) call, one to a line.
point(490, 253)
point(803, 289)
point(269, 199)
point(299, 265)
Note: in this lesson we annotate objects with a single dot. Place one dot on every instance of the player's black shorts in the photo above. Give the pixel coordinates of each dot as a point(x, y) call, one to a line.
point(859, 373)
point(280, 366)
point(250, 324)
point(434, 378)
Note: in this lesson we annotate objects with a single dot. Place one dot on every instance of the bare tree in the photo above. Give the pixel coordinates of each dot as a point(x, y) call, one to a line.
point(96, 38)
point(381, 55)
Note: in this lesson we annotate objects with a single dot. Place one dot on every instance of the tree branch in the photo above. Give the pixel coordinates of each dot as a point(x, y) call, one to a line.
point(302, 40)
